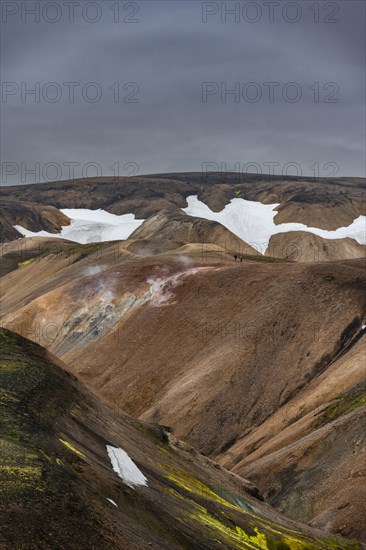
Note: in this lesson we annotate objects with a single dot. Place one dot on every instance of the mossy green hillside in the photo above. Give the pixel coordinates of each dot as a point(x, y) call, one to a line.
point(209, 509)
point(32, 461)
point(344, 404)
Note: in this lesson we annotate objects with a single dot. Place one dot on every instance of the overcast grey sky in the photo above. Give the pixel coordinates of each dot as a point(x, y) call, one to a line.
point(176, 60)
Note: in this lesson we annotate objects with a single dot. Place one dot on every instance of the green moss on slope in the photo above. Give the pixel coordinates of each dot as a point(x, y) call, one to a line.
point(26, 262)
point(343, 405)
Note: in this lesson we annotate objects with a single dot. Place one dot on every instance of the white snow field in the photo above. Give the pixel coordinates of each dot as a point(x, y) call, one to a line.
point(125, 467)
point(253, 222)
point(90, 226)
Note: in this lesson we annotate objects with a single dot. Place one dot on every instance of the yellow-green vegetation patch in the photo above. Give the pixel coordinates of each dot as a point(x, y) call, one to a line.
point(7, 397)
point(20, 469)
point(254, 531)
point(45, 455)
point(12, 452)
point(26, 262)
point(21, 478)
point(71, 447)
point(193, 485)
point(344, 405)
point(253, 538)
point(233, 534)
point(74, 410)
point(7, 340)
point(78, 250)
point(220, 527)
point(20, 377)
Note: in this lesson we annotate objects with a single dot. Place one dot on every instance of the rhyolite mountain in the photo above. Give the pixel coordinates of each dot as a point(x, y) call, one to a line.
point(60, 489)
point(258, 364)
point(256, 360)
point(328, 204)
point(32, 216)
point(171, 225)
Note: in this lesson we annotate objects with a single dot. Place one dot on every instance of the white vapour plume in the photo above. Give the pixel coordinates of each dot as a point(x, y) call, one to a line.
point(161, 288)
point(184, 260)
point(93, 270)
point(107, 296)
point(159, 293)
point(103, 287)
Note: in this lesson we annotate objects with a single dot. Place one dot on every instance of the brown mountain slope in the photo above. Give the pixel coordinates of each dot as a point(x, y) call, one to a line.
point(327, 203)
point(59, 483)
point(35, 217)
point(309, 456)
point(8, 231)
point(300, 246)
point(178, 226)
point(321, 202)
point(17, 253)
point(215, 349)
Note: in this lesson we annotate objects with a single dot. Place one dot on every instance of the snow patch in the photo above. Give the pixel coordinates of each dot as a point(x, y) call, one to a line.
point(112, 502)
point(90, 226)
point(253, 222)
point(125, 467)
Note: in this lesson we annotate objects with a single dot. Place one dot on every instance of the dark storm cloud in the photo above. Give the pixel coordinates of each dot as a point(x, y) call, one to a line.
point(163, 124)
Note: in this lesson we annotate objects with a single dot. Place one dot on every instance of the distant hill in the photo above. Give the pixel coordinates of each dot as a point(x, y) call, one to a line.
point(177, 226)
point(35, 217)
point(327, 203)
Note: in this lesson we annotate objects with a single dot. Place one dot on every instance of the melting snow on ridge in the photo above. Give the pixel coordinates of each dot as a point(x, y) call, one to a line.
point(89, 226)
point(125, 467)
point(254, 222)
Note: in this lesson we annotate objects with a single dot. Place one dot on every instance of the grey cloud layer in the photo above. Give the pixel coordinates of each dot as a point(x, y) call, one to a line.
point(168, 54)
